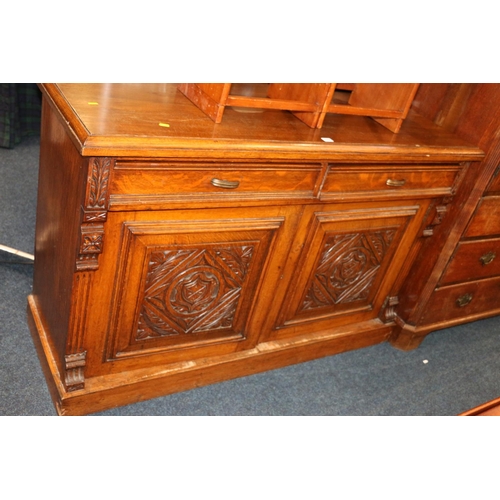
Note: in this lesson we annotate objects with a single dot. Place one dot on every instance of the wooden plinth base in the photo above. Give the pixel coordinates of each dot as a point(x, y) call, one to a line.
point(102, 393)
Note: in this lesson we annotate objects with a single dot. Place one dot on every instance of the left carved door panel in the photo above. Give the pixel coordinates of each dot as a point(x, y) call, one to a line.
point(190, 285)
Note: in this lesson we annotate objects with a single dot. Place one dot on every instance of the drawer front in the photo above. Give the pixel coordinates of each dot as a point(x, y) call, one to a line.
point(464, 300)
point(486, 220)
point(176, 181)
point(474, 260)
point(388, 181)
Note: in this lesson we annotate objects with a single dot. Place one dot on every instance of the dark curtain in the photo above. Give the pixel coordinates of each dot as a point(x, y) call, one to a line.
point(20, 112)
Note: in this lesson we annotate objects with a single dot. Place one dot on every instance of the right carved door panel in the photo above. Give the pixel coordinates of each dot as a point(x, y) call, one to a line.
point(348, 264)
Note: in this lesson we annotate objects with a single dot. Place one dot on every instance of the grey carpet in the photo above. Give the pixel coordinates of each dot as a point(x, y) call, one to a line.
point(462, 368)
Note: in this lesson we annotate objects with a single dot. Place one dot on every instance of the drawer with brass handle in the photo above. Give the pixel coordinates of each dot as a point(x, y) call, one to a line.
point(487, 258)
point(222, 183)
point(395, 182)
point(388, 181)
point(464, 300)
point(471, 299)
point(156, 183)
point(473, 260)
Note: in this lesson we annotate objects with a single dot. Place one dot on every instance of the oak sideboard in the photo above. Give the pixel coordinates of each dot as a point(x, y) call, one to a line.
point(173, 252)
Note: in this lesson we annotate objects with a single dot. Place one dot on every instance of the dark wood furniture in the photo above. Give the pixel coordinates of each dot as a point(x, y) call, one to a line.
point(172, 252)
point(456, 278)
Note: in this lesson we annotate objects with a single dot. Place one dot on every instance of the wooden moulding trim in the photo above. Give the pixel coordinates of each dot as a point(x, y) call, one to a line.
point(459, 321)
point(490, 408)
point(386, 194)
point(423, 330)
point(129, 387)
point(77, 130)
point(45, 353)
point(192, 148)
point(121, 143)
point(119, 202)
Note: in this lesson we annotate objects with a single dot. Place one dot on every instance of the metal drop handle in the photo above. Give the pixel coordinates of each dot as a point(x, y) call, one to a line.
point(487, 258)
point(222, 183)
point(464, 300)
point(395, 182)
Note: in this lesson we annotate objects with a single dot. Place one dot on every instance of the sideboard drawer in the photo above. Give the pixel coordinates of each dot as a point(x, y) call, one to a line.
point(486, 220)
point(345, 181)
point(474, 260)
point(181, 181)
point(458, 301)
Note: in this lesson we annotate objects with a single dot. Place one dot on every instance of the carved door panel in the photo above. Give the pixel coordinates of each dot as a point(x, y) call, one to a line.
point(348, 263)
point(187, 283)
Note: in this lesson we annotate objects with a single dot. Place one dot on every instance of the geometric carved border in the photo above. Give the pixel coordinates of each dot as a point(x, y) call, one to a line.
point(347, 268)
point(194, 290)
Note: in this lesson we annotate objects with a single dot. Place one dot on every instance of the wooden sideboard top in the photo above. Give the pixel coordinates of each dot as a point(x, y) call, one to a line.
point(156, 120)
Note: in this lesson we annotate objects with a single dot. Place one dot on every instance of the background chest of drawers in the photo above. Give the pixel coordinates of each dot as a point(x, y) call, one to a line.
point(457, 277)
point(173, 252)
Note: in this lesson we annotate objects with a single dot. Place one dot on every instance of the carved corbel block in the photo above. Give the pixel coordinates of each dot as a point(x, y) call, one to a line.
point(91, 243)
point(439, 213)
point(94, 213)
point(389, 313)
point(74, 377)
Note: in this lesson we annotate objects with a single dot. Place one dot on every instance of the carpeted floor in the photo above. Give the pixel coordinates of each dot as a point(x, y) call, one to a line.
point(453, 370)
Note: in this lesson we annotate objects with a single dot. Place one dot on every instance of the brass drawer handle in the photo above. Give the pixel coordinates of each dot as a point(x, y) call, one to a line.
point(395, 182)
point(487, 258)
point(464, 300)
point(222, 183)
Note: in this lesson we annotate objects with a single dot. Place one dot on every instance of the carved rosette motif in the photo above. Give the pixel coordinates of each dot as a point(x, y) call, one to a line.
point(347, 268)
point(192, 290)
point(94, 213)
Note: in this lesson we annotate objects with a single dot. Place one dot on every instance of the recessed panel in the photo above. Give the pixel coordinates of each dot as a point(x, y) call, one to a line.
point(186, 285)
point(344, 266)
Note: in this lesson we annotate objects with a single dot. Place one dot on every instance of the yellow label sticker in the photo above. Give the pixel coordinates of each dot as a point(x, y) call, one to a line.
point(93, 103)
point(164, 125)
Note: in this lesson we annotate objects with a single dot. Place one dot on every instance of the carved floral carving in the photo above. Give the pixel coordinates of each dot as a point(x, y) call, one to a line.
point(98, 182)
point(347, 268)
point(192, 290)
point(94, 213)
point(92, 241)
